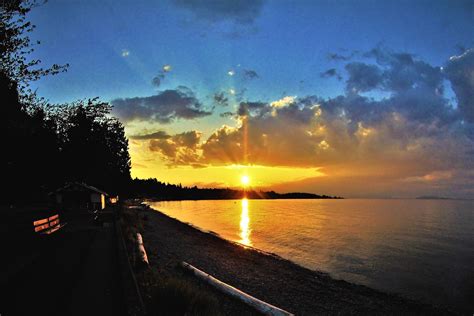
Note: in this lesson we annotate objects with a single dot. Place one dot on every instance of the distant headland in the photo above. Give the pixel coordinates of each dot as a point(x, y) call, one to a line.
point(433, 197)
point(154, 189)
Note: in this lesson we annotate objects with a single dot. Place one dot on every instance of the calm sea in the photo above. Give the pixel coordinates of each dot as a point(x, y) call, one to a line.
point(423, 249)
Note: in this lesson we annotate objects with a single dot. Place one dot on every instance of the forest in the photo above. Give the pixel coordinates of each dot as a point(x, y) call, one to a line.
point(48, 145)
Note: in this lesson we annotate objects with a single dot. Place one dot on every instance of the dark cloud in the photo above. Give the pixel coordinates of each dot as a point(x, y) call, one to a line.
point(331, 73)
point(155, 135)
point(245, 108)
point(363, 77)
point(187, 139)
point(239, 94)
point(460, 71)
point(393, 72)
point(238, 11)
point(416, 87)
point(402, 71)
point(341, 57)
point(220, 98)
point(179, 149)
point(156, 81)
point(461, 49)
point(227, 114)
point(250, 74)
point(163, 107)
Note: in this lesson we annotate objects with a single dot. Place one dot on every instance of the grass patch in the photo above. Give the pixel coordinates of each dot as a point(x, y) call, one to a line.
point(165, 294)
point(131, 223)
point(175, 295)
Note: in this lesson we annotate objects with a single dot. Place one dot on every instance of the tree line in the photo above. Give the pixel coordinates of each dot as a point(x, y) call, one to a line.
point(47, 145)
point(154, 189)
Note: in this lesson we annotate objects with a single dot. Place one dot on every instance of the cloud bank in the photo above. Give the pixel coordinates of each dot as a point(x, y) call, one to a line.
point(164, 107)
point(460, 71)
point(412, 137)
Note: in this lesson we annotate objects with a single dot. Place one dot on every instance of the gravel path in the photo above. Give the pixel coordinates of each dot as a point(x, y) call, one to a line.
point(269, 278)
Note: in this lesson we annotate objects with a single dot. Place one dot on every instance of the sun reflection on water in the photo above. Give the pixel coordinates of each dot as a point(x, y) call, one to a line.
point(244, 224)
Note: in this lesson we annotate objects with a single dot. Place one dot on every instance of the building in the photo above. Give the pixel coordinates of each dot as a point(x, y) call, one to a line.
point(80, 196)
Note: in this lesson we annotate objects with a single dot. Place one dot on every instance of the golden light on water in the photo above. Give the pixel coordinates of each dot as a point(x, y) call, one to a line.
point(244, 224)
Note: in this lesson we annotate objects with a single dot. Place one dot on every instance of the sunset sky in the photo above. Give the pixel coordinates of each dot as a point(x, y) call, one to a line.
point(351, 98)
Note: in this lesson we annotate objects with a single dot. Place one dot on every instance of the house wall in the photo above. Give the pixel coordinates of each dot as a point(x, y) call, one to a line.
point(98, 199)
point(73, 200)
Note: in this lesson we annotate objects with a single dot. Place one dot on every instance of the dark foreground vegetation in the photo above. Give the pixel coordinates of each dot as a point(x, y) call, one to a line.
point(47, 145)
point(163, 293)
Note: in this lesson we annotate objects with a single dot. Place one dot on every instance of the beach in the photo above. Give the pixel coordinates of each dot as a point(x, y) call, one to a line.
point(268, 277)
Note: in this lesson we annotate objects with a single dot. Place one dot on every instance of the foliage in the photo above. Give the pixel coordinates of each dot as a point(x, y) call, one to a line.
point(93, 145)
point(47, 145)
point(16, 45)
point(175, 295)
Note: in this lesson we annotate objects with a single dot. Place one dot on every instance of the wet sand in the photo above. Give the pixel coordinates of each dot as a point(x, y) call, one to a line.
point(268, 277)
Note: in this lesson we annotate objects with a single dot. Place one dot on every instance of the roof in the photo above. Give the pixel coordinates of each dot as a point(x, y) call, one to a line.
point(78, 186)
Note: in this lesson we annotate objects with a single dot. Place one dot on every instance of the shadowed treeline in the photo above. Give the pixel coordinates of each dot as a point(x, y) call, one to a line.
point(47, 145)
point(152, 188)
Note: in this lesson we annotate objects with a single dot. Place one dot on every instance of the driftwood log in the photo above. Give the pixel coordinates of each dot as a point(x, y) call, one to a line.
point(259, 305)
point(142, 260)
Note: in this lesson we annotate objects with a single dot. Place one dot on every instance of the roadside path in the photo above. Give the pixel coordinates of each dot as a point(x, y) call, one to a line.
point(74, 272)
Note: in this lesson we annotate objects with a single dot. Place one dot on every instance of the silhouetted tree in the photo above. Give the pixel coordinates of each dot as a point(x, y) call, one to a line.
point(45, 145)
point(16, 45)
point(29, 138)
point(93, 145)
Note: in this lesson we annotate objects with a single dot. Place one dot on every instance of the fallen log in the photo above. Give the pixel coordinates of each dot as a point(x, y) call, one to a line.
point(128, 274)
point(142, 256)
point(259, 305)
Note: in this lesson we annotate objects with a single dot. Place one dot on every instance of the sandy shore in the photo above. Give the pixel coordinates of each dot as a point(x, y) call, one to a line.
point(270, 278)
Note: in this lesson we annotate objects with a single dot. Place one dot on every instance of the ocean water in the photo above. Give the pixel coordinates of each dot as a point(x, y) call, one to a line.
point(422, 249)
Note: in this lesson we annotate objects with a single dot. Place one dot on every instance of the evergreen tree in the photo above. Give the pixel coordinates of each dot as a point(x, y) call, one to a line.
point(45, 145)
point(94, 146)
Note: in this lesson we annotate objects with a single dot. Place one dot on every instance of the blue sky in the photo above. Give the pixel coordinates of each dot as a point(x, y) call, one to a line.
point(286, 42)
point(317, 96)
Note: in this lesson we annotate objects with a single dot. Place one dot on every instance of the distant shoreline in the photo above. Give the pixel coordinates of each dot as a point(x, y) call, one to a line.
point(252, 195)
point(230, 199)
point(154, 189)
point(428, 197)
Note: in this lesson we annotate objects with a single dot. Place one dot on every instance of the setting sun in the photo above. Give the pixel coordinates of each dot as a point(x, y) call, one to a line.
point(245, 180)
